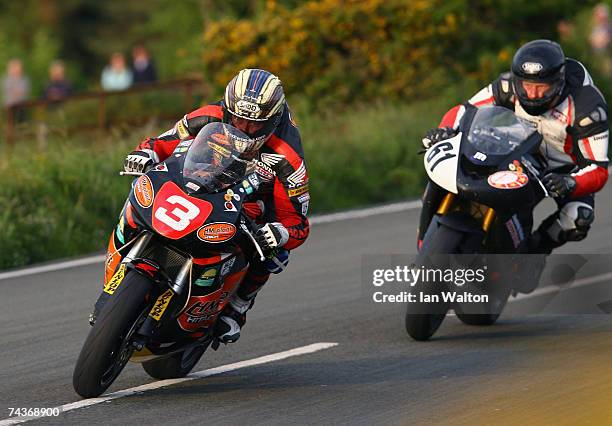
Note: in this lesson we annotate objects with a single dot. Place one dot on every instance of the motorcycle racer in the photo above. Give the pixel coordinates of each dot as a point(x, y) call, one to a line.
point(557, 97)
point(254, 102)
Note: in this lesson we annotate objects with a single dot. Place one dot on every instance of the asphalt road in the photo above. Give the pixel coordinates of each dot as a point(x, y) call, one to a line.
point(537, 369)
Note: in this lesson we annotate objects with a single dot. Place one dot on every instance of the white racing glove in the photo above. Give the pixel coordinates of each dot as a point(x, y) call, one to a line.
point(138, 162)
point(272, 235)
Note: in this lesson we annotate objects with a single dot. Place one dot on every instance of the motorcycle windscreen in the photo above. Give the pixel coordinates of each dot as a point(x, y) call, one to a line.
point(497, 130)
point(441, 163)
point(219, 157)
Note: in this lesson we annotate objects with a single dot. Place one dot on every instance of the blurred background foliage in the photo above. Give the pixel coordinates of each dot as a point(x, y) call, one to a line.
point(365, 79)
point(327, 51)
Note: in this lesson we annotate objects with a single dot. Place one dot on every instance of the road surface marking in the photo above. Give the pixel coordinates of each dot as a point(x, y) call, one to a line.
point(303, 350)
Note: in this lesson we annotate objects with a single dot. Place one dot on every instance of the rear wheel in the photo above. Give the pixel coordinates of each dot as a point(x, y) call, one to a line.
point(108, 346)
point(176, 365)
point(424, 319)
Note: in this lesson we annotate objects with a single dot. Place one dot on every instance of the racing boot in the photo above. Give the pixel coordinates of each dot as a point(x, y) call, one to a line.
point(233, 319)
point(532, 265)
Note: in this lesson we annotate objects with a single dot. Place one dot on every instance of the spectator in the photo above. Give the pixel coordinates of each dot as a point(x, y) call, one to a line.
point(601, 33)
point(116, 75)
point(600, 38)
point(143, 67)
point(15, 86)
point(58, 87)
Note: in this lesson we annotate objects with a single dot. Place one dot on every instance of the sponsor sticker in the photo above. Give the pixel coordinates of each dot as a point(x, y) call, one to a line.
point(298, 191)
point(114, 282)
point(230, 207)
point(143, 192)
point(250, 109)
point(305, 208)
point(193, 186)
point(227, 266)
point(120, 228)
point(161, 167)
point(253, 180)
point(508, 179)
point(217, 232)
point(265, 171)
point(513, 233)
point(230, 194)
point(207, 278)
point(532, 67)
point(246, 187)
point(515, 166)
point(182, 130)
point(303, 198)
point(161, 304)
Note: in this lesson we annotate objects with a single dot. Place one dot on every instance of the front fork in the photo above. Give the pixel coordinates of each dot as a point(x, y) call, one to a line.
point(438, 201)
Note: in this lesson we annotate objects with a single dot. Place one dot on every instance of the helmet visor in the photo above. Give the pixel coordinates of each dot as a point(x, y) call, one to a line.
point(258, 130)
point(537, 93)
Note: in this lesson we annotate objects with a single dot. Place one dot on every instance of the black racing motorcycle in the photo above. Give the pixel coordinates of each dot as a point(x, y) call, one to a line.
point(483, 186)
point(184, 247)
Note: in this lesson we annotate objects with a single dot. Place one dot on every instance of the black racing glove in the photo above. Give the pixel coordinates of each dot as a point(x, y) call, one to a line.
point(559, 186)
point(137, 162)
point(433, 136)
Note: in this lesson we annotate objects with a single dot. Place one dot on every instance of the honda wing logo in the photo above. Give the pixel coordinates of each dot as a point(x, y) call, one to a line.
point(298, 177)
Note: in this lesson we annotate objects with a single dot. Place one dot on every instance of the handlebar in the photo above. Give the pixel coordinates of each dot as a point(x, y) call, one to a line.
point(249, 226)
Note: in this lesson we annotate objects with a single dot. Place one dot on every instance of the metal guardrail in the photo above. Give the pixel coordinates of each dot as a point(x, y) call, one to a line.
point(189, 87)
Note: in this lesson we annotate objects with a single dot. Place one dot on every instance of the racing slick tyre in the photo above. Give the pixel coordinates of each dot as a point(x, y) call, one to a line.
point(424, 319)
point(176, 365)
point(108, 346)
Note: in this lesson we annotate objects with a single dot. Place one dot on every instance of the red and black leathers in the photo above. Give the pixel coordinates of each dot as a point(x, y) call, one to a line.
point(281, 168)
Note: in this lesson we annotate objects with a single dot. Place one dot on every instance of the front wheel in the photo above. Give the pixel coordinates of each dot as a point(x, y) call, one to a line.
point(108, 346)
point(424, 319)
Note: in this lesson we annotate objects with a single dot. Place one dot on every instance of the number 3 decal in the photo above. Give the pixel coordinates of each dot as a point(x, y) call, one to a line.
point(180, 217)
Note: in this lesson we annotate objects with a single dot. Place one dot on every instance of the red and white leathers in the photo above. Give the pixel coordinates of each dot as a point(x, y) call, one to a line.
point(575, 131)
point(575, 140)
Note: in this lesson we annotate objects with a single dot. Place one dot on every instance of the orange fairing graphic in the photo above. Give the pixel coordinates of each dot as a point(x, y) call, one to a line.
point(143, 191)
point(203, 310)
point(112, 259)
point(217, 232)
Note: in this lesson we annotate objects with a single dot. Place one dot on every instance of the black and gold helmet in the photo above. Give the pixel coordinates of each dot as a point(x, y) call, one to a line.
point(257, 96)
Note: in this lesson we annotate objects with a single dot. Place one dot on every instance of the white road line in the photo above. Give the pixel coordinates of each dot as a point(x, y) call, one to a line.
point(367, 212)
point(53, 267)
point(315, 220)
point(303, 350)
point(555, 289)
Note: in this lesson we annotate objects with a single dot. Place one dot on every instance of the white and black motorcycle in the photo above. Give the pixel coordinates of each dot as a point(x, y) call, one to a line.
point(483, 186)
